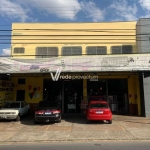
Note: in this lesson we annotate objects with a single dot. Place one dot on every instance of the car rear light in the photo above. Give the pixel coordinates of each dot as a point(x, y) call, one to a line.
point(39, 113)
point(56, 112)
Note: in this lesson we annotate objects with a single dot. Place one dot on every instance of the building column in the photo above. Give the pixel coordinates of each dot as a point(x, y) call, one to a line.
point(134, 95)
point(84, 89)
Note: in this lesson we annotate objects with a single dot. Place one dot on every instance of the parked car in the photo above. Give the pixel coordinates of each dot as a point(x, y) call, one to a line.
point(47, 112)
point(14, 110)
point(98, 110)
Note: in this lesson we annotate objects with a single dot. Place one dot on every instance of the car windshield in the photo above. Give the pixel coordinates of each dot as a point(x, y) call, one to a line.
point(11, 105)
point(98, 105)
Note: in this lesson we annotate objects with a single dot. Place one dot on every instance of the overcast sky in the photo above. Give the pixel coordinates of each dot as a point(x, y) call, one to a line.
point(68, 11)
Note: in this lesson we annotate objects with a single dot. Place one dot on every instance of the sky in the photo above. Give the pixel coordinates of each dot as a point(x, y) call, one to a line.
point(67, 11)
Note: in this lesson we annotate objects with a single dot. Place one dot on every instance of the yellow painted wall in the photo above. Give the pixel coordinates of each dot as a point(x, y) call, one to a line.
point(31, 96)
point(32, 35)
point(134, 91)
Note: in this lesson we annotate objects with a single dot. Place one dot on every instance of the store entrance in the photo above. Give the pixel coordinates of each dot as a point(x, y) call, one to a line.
point(97, 88)
point(114, 91)
point(52, 91)
point(117, 96)
point(73, 91)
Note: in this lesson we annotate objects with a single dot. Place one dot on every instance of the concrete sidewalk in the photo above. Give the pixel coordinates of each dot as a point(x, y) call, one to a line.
point(75, 129)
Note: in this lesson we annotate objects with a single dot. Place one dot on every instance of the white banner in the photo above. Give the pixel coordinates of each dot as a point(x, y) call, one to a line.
point(90, 63)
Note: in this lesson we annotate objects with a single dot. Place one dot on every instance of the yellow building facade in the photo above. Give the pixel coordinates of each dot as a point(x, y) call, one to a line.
point(56, 40)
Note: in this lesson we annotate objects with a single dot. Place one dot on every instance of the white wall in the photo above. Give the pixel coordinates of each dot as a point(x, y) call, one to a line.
point(146, 82)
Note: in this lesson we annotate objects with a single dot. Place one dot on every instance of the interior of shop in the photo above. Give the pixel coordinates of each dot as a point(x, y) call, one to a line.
point(114, 91)
point(73, 91)
point(52, 91)
point(69, 93)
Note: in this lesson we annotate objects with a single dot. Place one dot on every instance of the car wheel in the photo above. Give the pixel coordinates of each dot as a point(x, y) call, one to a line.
point(18, 118)
point(110, 121)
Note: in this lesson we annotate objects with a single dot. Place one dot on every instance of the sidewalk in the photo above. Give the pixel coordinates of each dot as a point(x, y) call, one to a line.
point(75, 129)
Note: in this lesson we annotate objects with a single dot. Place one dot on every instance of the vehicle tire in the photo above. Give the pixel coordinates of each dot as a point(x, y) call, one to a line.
point(110, 121)
point(18, 118)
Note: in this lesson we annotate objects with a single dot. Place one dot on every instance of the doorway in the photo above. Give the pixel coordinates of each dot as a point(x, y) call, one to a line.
point(73, 91)
point(52, 91)
point(114, 91)
point(20, 95)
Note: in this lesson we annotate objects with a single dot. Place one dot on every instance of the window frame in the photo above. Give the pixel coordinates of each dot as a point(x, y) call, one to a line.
point(47, 51)
point(62, 53)
point(18, 51)
point(122, 49)
point(96, 50)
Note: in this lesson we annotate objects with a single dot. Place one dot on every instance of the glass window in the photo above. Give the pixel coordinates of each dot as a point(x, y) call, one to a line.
point(70, 51)
point(19, 50)
point(12, 105)
point(116, 49)
point(98, 105)
point(96, 50)
point(124, 49)
point(46, 52)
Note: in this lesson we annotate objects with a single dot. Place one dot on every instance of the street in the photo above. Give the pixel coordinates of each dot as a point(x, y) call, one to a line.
point(120, 145)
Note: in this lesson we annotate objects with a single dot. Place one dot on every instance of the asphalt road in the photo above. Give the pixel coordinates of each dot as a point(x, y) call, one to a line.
point(121, 145)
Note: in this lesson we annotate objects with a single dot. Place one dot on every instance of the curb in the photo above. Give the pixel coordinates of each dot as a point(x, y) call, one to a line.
point(78, 141)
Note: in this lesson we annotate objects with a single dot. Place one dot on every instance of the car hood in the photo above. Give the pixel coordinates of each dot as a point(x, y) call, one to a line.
point(8, 110)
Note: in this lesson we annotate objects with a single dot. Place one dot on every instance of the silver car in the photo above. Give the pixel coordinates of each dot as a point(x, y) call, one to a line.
point(14, 110)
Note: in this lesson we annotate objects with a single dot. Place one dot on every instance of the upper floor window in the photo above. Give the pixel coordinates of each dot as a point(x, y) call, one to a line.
point(45, 52)
point(127, 49)
point(124, 49)
point(96, 50)
point(70, 51)
point(19, 50)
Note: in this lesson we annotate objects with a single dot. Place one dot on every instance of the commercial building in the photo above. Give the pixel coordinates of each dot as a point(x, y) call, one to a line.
point(89, 59)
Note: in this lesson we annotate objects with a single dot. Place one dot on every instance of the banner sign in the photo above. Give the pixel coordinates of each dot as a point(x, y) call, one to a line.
point(90, 63)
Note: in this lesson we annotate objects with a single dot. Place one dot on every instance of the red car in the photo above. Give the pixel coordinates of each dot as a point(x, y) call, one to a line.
point(47, 112)
point(98, 110)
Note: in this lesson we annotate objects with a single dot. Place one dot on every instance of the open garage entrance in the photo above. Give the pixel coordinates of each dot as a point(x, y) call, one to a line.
point(115, 91)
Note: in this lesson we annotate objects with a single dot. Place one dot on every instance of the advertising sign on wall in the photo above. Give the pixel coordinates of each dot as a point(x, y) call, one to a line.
point(6, 89)
point(132, 62)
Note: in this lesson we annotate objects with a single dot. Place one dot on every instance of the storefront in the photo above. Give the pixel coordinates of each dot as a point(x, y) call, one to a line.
point(73, 79)
point(122, 91)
